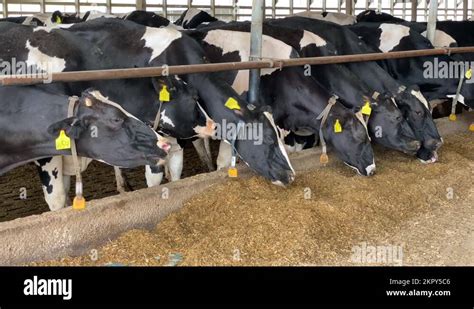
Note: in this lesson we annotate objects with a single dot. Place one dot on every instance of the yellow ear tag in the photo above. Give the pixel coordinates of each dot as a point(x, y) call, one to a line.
point(366, 109)
point(63, 141)
point(232, 172)
point(337, 127)
point(452, 117)
point(79, 203)
point(232, 104)
point(58, 20)
point(468, 74)
point(164, 94)
point(471, 127)
point(323, 159)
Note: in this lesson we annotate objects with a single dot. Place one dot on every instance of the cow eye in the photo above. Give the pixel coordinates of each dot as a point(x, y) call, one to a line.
point(117, 121)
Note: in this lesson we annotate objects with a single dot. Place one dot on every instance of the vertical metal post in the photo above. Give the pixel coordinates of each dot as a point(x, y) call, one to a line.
point(213, 7)
point(77, 5)
point(324, 5)
point(258, 12)
point(431, 27)
point(108, 6)
point(165, 8)
point(42, 6)
point(274, 2)
point(464, 9)
point(292, 6)
point(414, 11)
point(141, 5)
point(234, 10)
point(349, 4)
point(391, 6)
point(5, 11)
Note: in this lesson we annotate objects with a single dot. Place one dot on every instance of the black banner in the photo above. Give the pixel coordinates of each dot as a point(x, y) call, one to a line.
point(433, 287)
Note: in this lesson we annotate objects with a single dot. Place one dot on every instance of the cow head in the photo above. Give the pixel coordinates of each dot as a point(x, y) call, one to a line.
point(264, 151)
point(388, 127)
point(182, 116)
point(347, 134)
point(60, 18)
point(416, 111)
point(104, 131)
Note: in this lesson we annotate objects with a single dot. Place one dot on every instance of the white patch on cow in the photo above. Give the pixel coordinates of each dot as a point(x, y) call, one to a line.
point(460, 98)
point(392, 35)
point(231, 41)
point(335, 17)
point(280, 143)
point(57, 198)
point(394, 102)
point(36, 57)
point(152, 179)
point(52, 27)
point(175, 161)
point(208, 129)
point(311, 38)
point(370, 169)
point(190, 14)
point(165, 119)
point(442, 39)
point(421, 98)
point(158, 39)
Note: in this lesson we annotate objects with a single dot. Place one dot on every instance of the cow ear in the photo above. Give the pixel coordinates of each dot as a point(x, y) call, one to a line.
point(73, 127)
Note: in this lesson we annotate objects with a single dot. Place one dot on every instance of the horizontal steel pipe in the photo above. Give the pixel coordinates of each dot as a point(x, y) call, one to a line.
point(77, 76)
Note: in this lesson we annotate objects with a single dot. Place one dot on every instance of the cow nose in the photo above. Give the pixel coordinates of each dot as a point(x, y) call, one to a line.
point(163, 144)
point(370, 170)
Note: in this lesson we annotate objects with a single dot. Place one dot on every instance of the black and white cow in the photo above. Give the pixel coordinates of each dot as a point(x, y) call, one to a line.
point(353, 93)
point(44, 19)
point(148, 19)
point(389, 37)
point(31, 120)
point(192, 18)
point(296, 99)
point(409, 100)
point(378, 17)
point(181, 118)
point(334, 17)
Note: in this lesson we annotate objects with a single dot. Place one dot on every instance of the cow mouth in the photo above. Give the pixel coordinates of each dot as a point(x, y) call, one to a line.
point(433, 159)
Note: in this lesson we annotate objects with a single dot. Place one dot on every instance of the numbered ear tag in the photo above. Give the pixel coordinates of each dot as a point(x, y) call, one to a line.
point(232, 172)
point(337, 127)
point(164, 94)
point(232, 104)
point(58, 20)
point(471, 127)
point(63, 141)
point(366, 109)
point(452, 117)
point(79, 203)
point(468, 74)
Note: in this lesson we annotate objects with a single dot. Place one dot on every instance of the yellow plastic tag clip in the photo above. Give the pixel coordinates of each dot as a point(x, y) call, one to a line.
point(63, 141)
point(232, 172)
point(337, 126)
point(164, 94)
point(471, 127)
point(58, 20)
point(79, 203)
point(232, 104)
point(468, 74)
point(452, 117)
point(366, 109)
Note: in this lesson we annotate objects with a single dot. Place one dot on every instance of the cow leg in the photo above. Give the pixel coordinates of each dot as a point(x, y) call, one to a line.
point(153, 175)
point(52, 179)
point(175, 161)
point(225, 155)
point(120, 180)
point(203, 150)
